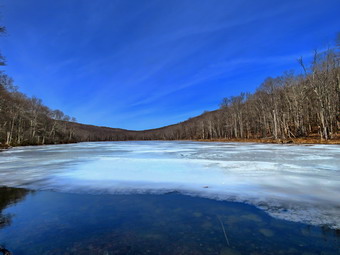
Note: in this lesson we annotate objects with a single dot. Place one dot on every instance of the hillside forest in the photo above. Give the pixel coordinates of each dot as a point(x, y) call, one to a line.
point(285, 107)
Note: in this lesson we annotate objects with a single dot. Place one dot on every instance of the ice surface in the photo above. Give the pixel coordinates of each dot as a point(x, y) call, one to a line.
point(293, 182)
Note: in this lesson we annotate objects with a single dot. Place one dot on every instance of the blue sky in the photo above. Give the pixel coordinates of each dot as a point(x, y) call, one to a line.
point(140, 64)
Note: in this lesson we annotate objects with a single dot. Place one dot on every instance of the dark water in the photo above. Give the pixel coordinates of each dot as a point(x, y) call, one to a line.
point(58, 223)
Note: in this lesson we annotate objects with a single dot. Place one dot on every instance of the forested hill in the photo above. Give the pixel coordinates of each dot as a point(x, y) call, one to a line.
point(284, 107)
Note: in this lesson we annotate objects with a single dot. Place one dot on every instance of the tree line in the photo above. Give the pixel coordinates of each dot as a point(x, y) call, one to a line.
point(284, 107)
point(27, 121)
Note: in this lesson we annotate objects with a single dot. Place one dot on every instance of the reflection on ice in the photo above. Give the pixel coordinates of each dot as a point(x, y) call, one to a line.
point(300, 183)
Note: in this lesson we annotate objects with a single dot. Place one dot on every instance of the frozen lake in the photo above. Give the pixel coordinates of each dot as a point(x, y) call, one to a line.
point(294, 182)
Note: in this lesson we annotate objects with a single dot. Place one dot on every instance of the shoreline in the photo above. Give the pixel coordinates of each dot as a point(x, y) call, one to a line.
point(296, 141)
point(305, 140)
